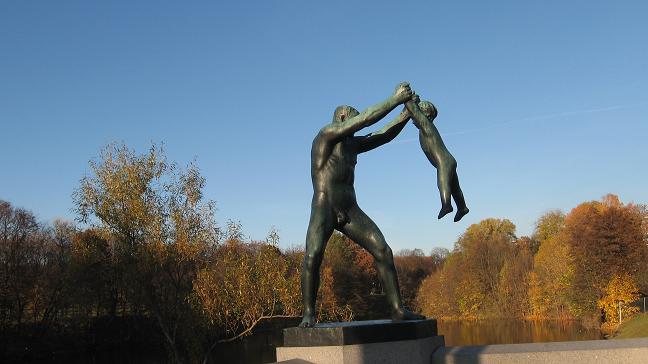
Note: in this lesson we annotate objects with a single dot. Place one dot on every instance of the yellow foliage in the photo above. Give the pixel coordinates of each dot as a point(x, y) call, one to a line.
point(620, 291)
point(246, 282)
point(550, 282)
point(470, 298)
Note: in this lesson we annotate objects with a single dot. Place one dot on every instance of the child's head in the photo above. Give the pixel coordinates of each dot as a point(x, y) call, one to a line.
point(428, 109)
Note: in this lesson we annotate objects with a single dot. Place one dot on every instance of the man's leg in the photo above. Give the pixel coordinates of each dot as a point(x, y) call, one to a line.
point(319, 231)
point(364, 232)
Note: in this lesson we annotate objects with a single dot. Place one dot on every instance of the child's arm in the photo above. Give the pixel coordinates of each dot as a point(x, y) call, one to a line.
point(426, 127)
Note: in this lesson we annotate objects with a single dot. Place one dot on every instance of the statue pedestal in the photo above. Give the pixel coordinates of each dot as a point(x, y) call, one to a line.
point(379, 341)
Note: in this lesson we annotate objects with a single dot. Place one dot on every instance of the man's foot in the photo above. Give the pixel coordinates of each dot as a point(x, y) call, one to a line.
point(307, 321)
point(461, 213)
point(444, 211)
point(403, 314)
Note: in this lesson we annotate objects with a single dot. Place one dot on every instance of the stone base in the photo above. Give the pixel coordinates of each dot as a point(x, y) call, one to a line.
point(624, 351)
point(410, 351)
point(358, 342)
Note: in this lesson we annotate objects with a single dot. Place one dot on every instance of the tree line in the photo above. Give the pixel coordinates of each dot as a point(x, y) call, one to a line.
point(148, 261)
point(587, 265)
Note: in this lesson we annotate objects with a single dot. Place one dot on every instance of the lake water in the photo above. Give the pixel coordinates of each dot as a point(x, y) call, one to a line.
point(486, 332)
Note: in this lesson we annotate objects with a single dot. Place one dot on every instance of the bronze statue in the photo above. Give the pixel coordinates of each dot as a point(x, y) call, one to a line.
point(334, 206)
point(424, 114)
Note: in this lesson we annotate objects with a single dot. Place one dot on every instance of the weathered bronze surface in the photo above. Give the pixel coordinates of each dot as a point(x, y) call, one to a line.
point(334, 207)
point(439, 156)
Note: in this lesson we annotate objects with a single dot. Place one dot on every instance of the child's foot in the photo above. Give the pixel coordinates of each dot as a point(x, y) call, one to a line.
point(445, 210)
point(461, 213)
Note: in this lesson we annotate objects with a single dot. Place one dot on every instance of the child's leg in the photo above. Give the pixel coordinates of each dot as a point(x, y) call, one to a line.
point(438, 155)
point(462, 210)
point(444, 177)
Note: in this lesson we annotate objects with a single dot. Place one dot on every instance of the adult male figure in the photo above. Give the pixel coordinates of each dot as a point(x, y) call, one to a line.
point(334, 206)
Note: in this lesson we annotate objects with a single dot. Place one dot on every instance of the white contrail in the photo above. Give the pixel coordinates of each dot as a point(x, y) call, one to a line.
point(531, 118)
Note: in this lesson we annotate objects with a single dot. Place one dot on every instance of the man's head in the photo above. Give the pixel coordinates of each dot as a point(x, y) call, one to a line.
point(344, 112)
point(428, 109)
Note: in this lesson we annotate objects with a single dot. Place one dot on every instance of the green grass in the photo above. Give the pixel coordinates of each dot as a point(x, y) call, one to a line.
point(637, 327)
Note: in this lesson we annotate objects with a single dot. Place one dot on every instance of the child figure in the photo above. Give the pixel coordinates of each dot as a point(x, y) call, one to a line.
point(423, 113)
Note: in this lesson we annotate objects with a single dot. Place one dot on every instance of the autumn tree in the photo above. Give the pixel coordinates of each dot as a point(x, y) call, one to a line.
point(484, 247)
point(480, 277)
point(34, 262)
point(92, 271)
point(606, 238)
point(513, 286)
point(438, 295)
point(548, 225)
point(348, 281)
point(21, 248)
point(54, 289)
point(551, 280)
point(619, 292)
point(412, 267)
point(160, 229)
point(438, 256)
point(244, 284)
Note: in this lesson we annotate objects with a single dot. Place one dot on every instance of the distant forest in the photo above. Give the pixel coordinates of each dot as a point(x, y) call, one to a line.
point(151, 263)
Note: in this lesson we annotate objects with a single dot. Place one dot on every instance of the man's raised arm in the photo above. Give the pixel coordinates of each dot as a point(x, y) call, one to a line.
point(384, 135)
point(369, 116)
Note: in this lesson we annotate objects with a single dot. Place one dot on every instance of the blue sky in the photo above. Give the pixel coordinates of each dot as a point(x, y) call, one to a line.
point(544, 104)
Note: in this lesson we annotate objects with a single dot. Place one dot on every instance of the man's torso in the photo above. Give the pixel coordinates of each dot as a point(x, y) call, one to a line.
point(333, 170)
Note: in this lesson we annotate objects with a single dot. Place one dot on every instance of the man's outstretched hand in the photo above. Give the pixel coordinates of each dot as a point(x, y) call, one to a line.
point(403, 92)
